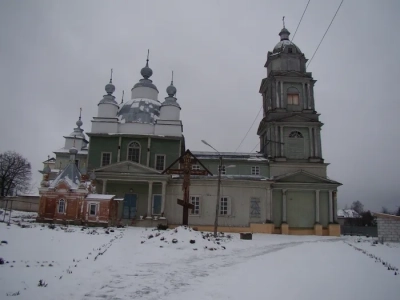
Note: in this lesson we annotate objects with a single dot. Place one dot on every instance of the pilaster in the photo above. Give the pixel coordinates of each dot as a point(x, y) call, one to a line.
point(149, 200)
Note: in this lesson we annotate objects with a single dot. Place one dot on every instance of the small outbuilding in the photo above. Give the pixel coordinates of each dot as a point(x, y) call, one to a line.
point(71, 198)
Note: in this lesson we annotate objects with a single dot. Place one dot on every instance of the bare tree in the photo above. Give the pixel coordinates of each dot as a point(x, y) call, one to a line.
point(15, 173)
point(384, 210)
point(357, 206)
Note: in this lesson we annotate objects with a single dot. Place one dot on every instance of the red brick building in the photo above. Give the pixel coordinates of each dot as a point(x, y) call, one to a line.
point(71, 198)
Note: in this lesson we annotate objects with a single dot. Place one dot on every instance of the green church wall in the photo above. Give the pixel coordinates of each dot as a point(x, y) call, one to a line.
point(324, 208)
point(171, 148)
point(277, 207)
point(300, 209)
point(99, 144)
point(125, 141)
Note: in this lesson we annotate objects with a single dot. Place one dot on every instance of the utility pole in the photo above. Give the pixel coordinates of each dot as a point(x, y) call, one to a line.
point(218, 196)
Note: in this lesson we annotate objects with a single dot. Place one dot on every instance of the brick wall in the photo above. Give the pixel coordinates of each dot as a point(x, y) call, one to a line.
point(388, 228)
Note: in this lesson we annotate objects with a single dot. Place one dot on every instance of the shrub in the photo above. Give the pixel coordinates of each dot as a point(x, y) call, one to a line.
point(162, 227)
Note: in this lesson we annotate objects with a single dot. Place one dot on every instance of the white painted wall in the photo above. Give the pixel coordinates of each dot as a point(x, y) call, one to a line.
point(144, 92)
point(107, 110)
point(136, 128)
point(169, 112)
point(239, 192)
point(104, 127)
point(277, 169)
point(168, 130)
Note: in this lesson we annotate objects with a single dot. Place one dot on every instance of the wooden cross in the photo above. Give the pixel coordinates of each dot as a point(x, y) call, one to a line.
point(186, 161)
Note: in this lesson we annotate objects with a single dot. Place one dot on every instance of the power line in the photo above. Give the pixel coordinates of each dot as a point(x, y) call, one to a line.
point(300, 20)
point(325, 33)
point(255, 147)
point(249, 129)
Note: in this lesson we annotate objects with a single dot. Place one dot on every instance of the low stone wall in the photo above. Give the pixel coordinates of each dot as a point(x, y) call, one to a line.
point(388, 227)
point(21, 203)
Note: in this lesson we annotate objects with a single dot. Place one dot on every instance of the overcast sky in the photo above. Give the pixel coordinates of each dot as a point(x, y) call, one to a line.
point(56, 56)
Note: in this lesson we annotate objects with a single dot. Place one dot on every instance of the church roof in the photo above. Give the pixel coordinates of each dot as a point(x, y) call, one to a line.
point(70, 175)
point(249, 156)
point(140, 110)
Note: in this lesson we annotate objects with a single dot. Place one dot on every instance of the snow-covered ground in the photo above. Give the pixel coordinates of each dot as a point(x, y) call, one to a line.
point(128, 263)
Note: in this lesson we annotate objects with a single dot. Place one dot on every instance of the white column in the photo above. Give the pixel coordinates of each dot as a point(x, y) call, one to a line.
point(164, 194)
point(317, 206)
point(316, 142)
point(330, 207)
point(282, 105)
point(281, 139)
point(284, 206)
point(277, 93)
point(311, 142)
point(148, 152)
point(104, 186)
point(319, 142)
point(304, 96)
point(119, 149)
point(149, 200)
point(276, 145)
point(271, 206)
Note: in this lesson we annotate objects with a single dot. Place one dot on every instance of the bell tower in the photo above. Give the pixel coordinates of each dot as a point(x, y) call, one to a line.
point(290, 129)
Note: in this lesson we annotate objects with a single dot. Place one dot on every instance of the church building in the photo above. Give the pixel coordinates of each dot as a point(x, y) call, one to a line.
point(282, 189)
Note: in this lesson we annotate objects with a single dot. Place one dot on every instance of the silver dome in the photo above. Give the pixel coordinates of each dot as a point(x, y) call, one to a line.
point(139, 110)
point(171, 90)
point(283, 45)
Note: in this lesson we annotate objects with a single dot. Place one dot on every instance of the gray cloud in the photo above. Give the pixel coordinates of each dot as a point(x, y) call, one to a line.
point(55, 57)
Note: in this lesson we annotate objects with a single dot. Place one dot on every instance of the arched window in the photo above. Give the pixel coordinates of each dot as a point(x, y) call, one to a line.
point(134, 152)
point(296, 134)
point(293, 96)
point(61, 206)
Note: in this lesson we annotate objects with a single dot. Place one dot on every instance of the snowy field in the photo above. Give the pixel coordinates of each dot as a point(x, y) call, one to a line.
point(76, 263)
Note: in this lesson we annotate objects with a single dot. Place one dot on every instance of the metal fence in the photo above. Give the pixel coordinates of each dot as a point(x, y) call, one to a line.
point(360, 230)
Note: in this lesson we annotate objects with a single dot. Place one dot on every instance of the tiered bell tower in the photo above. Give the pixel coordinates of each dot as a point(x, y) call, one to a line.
point(290, 129)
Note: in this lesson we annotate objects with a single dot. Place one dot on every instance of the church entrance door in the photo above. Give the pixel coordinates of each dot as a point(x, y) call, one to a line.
point(129, 206)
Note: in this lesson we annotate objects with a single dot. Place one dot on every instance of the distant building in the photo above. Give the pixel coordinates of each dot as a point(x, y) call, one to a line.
point(348, 217)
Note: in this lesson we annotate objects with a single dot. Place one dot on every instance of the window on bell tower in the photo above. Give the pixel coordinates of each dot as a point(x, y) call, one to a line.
point(293, 96)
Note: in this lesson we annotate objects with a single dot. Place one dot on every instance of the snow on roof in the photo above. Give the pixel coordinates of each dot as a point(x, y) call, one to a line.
point(70, 175)
point(347, 213)
point(65, 150)
point(99, 197)
point(230, 155)
point(236, 177)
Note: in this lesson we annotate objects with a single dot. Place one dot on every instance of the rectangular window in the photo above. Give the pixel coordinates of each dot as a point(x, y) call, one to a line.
point(195, 167)
point(195, 200)
point(160, 162)
point(77, 162)
point(293, 99)
point(223, 206)
point(255, 170)
point(105, 159)
point(157, 199)
point(92, 209)
point(61, 206)
point(255, 209)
